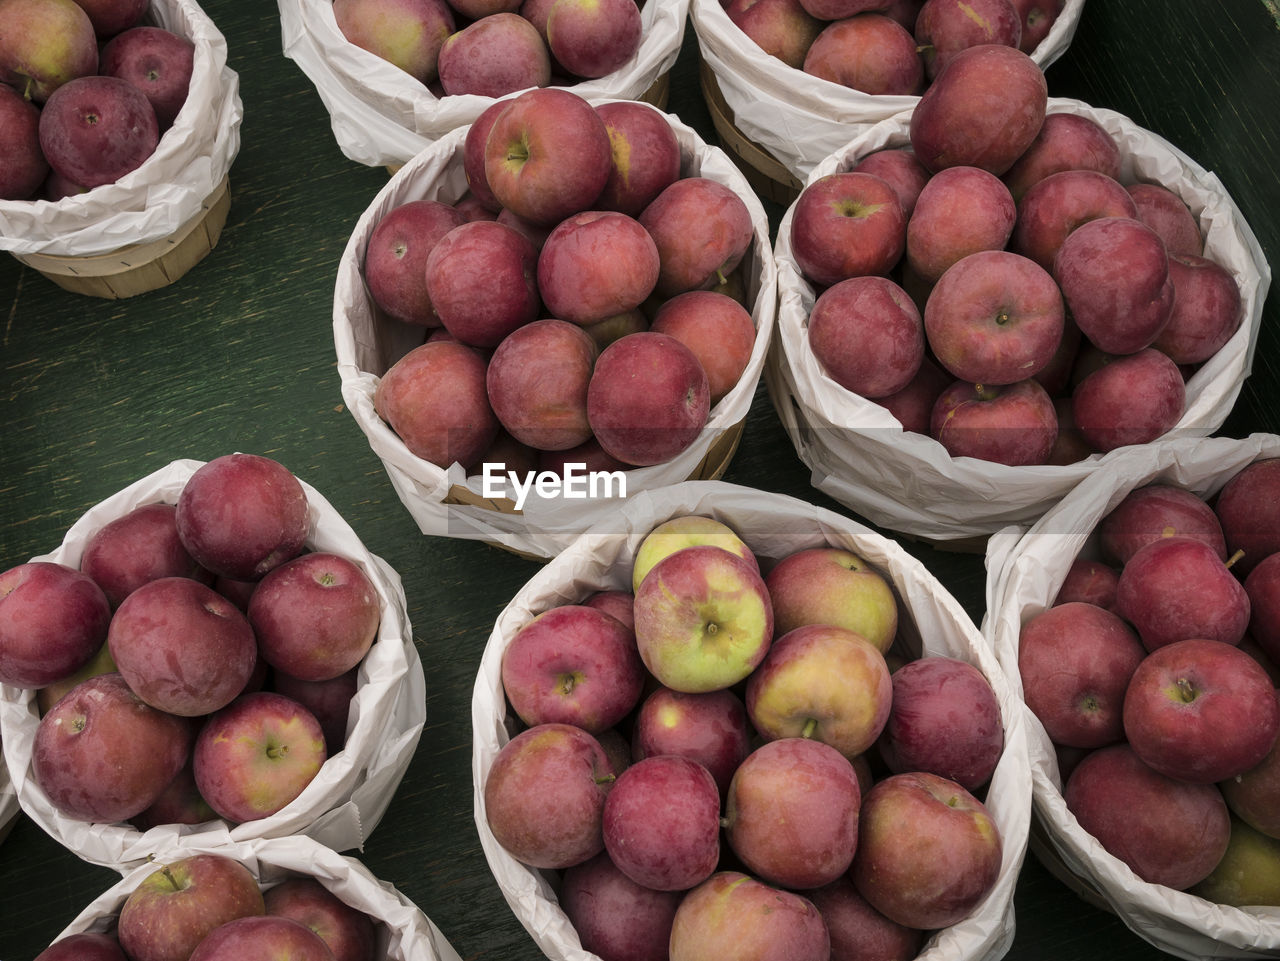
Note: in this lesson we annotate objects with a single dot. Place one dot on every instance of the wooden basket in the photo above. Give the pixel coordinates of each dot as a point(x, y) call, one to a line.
point(139, 268)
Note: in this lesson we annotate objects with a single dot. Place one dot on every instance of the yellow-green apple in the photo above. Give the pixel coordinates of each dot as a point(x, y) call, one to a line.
point(53, 620)
point(100, 663)
point(703, 619)
point(857, 929)
point(928, 851)
point(179, 903)
point(1066, 141)
point(833, 585)
point(868, 52)
point(1014, 424)
point(1155, 510)
point(646, 155)
point(1130, 399)
point(945, 27)
point(1254, 795)
point(537, 383)
point(1055, 205)
point(329, 701)
point(661, 823)
point(960, 211)
point(791, 814)
point(710, 727)
point(182, 647)
point(348, 932)
point(240, 515)
point(912, 406)
point(733, 915)
point(648, 398)
point(22, 164)
point(481, 278)
point(718, 330)
point(984, 110)
point(1248, 507)
point(96, 129)
point(847, 224)
point(1038, 18)
point(1169, 216)
point(781, 28)
point(84, 946)
point(494, 56)
point(256, 755)
point(158, 62)
point(613, 916)
point(434, 398)
point(1089, 581)
point(574, 665)
point(899, 168)
point(405, 33)
point(1177, 587)
point(868, 335)
point(1200, 711)
point(821, 682)
point(686, 530)
point(1206, 309)
point(544, 795)
point(1166, 830)
point(593, 38)
point(1075, 660)
point(1249, 872)
point(703, 231)
point(262, 938)
point(944, 719)
point(395, 258)
point(44, 44)
point(139, 546)
point(595, 264)
point(179, 803)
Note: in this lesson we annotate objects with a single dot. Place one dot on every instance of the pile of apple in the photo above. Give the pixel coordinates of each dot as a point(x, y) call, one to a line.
point(1154, 674)
point(887, 47)
point(582, 303)
point(721, 756)
point(209, 907)
point(995, 286)
point(200, 662)
point(86, 93)
point(491, 48)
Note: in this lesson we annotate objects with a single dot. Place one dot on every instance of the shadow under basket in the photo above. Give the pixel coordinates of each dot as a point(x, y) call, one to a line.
point(139, 268)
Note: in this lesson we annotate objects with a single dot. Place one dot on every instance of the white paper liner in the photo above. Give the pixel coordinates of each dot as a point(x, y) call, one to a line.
point(404, 932)
point(860, 455)
point(170, 187)
point(382, 116)
point(349, 795)
point(931, 623)
point(1026, 568)
point(367, 346)
point(798, 118)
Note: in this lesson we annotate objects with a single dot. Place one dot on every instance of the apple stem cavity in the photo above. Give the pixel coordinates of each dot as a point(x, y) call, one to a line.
point(1185, 690)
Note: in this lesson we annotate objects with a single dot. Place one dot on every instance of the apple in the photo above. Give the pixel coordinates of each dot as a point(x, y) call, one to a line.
point(1038, 18)
point(179, 803)
point(710, 727)
point(1169, 216)
point(1066, 141)
point(928, 851)
point(256, 755)
point(616, 603)
point(262, 938)
point(1075, 660)
point(614, 917)
point(329, 701)
point(686, 530)
point(1055, 205)
point(1262, 586)
point(833, 585)
point(959, 211)
point(53, 620)
point(348, 932)
point(868, 335)
point(1090, 581)
point(945, 27)
point(139, 546)
point(84, 946)
point(821, 682)
point(481, 278)
point(1249, 872)
point(912, 406)
point(646, 156)
point(22, 164)
point(1201, 711)
point(648, 398)
point(178, 904)
point(395, 258)
point(781, 28)
point(239, 515)
point(158, 62)
point(493, 56)
point(857, 929)
point(182, 647)
point(842, 9)
point(574, 665)
point(1166, 830)
point(899, 168)
point(847, 224)
point(717, 329)
point(733, 915)
point(96, 129)
point(1131, 399)
point(703, 619)
point(111, 17)
point(44, 44)
point(100, 663)
point(544, 796)
point(1254, 795)
point(593, 38)
point(1206, 309)
point(595, 264)
point(702, 230)
point(1013, 424)
point(867, 52)
point(1248, 507)
point(1153, 511)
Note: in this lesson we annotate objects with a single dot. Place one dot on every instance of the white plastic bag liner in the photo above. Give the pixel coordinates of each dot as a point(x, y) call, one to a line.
point(382, 116)
point(1026, 568)
point(860, 455)
point(404, 932)
point(368, 344)
point(170, 187)
point(798, 118)
point(9, 807)
point(349, 795)
point(931, 622)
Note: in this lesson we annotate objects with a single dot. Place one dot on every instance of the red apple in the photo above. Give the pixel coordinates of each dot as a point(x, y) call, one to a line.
point(1013, 424)
point(96, 129)
point(481, 278)
point(1055, 205)
point(1066, 141)
point(732, 915)
point(1038, 18)
point(945, 27)
point(1169, 216)
point(596, 264)
point(593, 38)
point(494, 56)
point(1206, 309)
point(262, 938)
point(686, 530)
point(646, 155)
point(709, 727)
point(833, 585)
point(139, 546)
point(348, 932)
point(867, 335)
point(912, 406)
point(158, 62)
point(867, 52)
point(22, 165)
point(860, 931)
point(781, 28)
point(1089, 581)
point(614, 917)
point(1130, 399)
point(179, 803)
point(395, 258)
point(53, 620)
point(405, 33)
point(702, 229)
point(959, 211)
point(1155, 510)
point(1248, 507)
point(716, 328)
point(85, 946)
point(899, 168)
point(845, 225)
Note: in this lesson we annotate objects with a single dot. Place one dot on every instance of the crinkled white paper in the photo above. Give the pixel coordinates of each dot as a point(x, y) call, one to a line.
point(367, 345)
point(931, 623)
point(404, 932)
point(859, 453)
point(382, 116)
point(168, 190)
point(797, 117)
point(1026, 567)
point(349, 795)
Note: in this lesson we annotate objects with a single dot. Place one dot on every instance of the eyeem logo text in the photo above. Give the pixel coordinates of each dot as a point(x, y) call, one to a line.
point(576, 483)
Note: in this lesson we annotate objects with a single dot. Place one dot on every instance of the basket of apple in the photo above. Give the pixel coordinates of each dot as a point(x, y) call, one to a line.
point(397, 75)
point(528, 342)
point(210, 655)
point(266, 898)
point(947, 367)
point(727, 717)
point(120, 122)
point(788, 82)
point(1137, 622)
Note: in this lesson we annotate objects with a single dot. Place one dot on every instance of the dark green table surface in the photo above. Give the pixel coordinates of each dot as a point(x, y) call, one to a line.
point(238, 355)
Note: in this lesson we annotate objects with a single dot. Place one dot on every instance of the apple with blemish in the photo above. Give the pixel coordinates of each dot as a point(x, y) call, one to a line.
point(710, 727)
point(945, 27)
point(646, 156)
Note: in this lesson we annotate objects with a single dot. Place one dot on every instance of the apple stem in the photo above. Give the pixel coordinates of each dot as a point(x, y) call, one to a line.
point(1185, 690)
point(810, 725)
point(277, 750)
point(1234, 557)
point(170, 878)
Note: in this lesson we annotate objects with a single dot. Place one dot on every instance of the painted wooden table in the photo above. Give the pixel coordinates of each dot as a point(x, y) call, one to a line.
point(238, 355)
